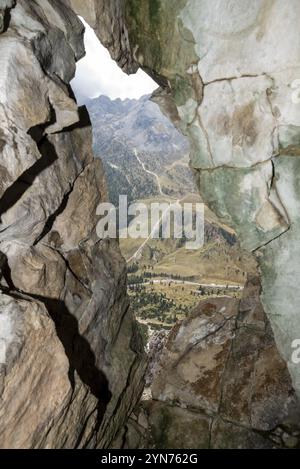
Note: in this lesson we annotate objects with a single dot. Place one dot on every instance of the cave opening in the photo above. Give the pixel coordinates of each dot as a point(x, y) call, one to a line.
point(146, 160)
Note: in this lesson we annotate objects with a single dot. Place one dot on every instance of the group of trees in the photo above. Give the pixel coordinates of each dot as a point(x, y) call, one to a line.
point(148, 275)
point(133, 268)
point(134, 279)
point(152, 305)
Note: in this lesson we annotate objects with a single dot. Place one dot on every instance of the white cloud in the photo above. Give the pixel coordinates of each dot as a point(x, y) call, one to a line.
point(98, 74)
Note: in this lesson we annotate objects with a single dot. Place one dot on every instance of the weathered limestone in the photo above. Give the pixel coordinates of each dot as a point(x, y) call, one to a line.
point(33, 366)
point(280, 265)
point(71, 360)
point(107, 19)
point(260, 221)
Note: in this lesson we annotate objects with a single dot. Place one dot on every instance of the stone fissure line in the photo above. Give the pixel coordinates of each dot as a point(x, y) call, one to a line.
point(198, 342)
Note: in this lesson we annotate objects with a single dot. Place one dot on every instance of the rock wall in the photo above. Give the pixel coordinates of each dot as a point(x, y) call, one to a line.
point(229, 74)
point(222, 382)
point(218, 382)
point(71, 360)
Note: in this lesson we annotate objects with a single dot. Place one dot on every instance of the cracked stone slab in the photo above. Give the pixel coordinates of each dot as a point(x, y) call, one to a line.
point(44, 190)
point(239, 126)
point(194, 356)
point(36, 365)
point(36, 20)
point(242, 198)
point(81, 210)
point(23, 84)
point(280, 265)
point(238, 37)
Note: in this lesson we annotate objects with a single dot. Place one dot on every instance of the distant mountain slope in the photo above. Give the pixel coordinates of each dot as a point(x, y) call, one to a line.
point(134, 138)
point(139, 122)
point(146, 158)
point(144, 155)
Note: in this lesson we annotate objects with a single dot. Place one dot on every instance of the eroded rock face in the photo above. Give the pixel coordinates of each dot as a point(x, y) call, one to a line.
point(222, 382)
point(71, 360)
point(229, 74)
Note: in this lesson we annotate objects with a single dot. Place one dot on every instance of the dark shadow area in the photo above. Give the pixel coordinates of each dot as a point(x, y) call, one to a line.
point(22, 184)
point(84, 119)
point(37, 132)
point(6, 20)
point(77, 348)
point(5, 272)
point(80, 355)
point(7, 17)
point(51, 220)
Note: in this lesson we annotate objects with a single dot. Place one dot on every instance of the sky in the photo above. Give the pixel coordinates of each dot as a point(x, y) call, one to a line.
point(98, 74)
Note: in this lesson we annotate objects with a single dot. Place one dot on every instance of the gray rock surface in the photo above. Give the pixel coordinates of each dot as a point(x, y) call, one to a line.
point(71, 359)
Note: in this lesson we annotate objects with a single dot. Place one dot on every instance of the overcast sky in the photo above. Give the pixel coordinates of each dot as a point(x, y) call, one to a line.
point(98, 74)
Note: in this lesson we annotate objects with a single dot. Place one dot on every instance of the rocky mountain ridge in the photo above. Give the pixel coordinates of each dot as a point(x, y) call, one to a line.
point(143, 154)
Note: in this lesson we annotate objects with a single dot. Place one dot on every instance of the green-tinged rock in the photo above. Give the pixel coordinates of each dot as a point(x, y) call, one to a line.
point(241, 198)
